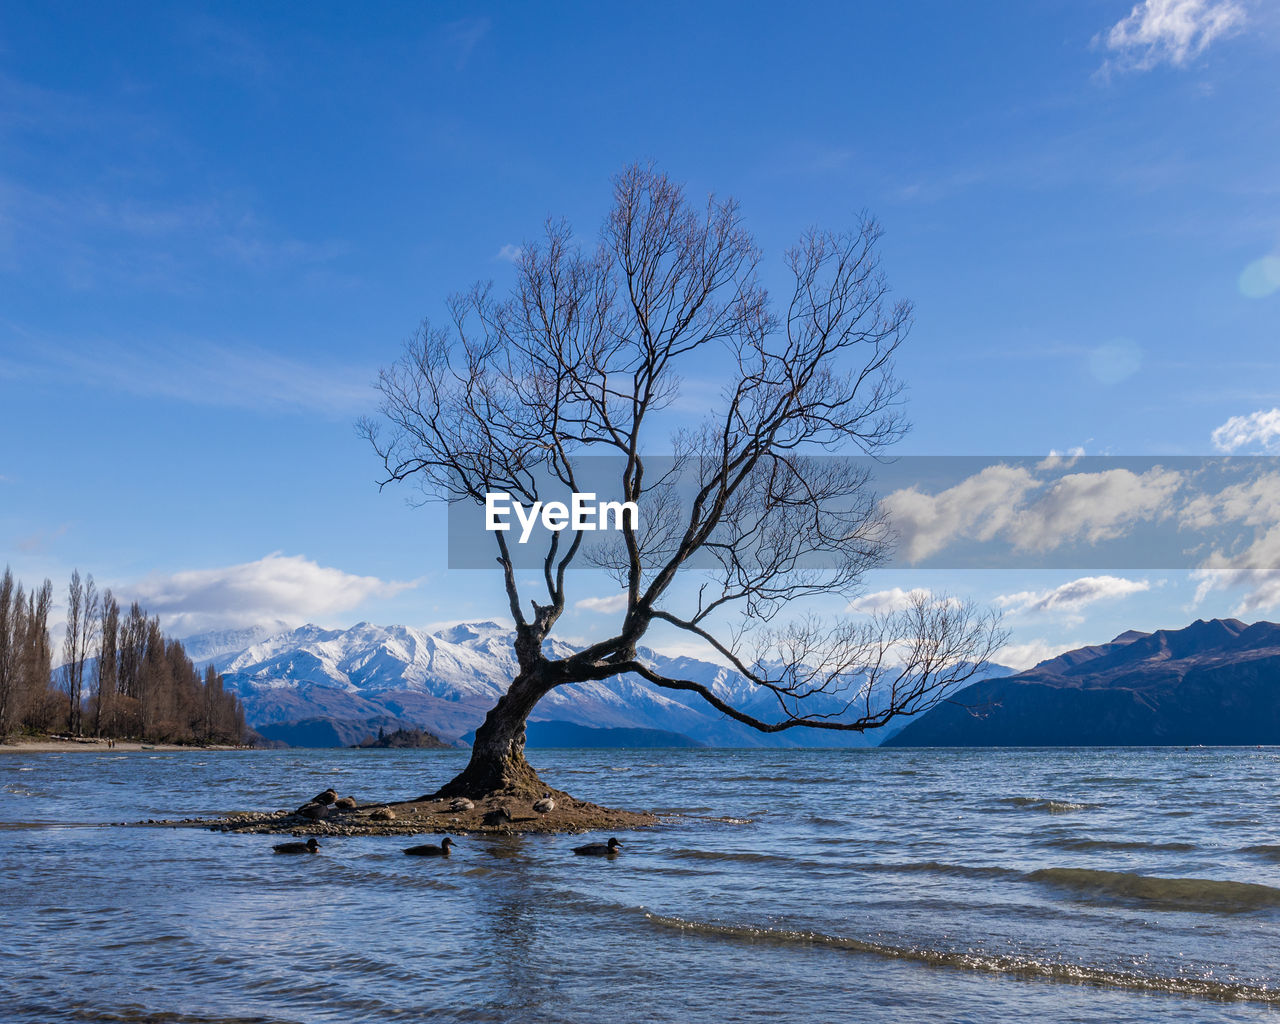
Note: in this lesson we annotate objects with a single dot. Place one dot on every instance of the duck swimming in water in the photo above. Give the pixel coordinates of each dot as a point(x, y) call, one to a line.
point(430, 849)
point(310, 846)
point(608, 849)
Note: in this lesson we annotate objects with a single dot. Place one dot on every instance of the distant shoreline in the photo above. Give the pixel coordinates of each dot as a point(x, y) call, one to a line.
point(54, 744)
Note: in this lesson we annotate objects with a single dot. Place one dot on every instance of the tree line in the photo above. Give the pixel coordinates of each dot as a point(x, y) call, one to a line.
point(120, 677)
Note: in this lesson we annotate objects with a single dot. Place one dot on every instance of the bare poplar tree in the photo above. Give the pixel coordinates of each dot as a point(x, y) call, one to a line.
point(582, 358)
point(108, 665)
point(83, 610)
point(39, 700)
point(11, 639)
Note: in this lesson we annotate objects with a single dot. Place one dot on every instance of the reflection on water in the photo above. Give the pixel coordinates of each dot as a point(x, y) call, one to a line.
point(1125, 885)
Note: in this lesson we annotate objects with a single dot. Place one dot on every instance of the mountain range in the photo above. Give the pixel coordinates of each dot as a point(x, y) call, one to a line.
point(326, 687)
point(1215, 682)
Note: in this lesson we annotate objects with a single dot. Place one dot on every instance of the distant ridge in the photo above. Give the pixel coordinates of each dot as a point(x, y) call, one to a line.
point(1214, 682)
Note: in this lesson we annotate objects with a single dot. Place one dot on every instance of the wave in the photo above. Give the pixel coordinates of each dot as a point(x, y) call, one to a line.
point(1035, 803)
point(1270, 852)
point(743, 856)
point(1116, 844)
point(985, 961)
point(934, 867)
point(1195, 894)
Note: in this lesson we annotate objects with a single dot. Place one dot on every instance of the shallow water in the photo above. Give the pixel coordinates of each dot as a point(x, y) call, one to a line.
point(865, 885)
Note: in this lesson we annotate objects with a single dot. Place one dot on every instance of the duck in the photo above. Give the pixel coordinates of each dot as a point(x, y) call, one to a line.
point(310, 846)
point(461, 804)
point(430, 849)
point(345, 803)
point(327, 797)
point(497, 816)
point(546, 805)
point(314, 811)
point(608, 849)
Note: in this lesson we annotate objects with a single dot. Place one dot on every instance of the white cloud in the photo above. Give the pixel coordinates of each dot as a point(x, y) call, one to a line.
point(1253, 503)
point(1092, 506)
point(510, 253)
point(887, 601)
point(286, 587)
point(1256, 568)
point(1169, 31)
point(977, 508)
point(1072, 597)
point(1012, 504)
point(1024, 656)
point(1257, 431)
point(604, 605)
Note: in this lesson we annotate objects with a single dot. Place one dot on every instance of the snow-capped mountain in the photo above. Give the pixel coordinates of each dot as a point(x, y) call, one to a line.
point(445, 682)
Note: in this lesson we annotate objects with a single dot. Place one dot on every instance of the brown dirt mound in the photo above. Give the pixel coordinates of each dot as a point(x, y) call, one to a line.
point(430, 815)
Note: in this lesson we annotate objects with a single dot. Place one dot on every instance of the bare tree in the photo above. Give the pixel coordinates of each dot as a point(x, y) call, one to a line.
point(11, 641)
point(82, 624)
point(582, 358)
point(39, 702)
point(108, 666)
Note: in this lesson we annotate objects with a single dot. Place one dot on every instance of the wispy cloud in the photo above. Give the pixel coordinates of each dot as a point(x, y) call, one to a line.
point(463, 36)
point(884, 602)
point(1253, 569)
point(92, 240)
point(212, 374)
point(1071, 598)
point(1170, 32)
point(604, 605)
point(41, 540)
point(1257, 432)
point(290, 588)
point(509, 253)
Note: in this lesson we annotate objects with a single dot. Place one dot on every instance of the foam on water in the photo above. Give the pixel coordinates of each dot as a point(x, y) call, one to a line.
point(982, 960)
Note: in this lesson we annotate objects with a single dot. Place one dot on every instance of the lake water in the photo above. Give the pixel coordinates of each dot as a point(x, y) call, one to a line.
point(865, 885)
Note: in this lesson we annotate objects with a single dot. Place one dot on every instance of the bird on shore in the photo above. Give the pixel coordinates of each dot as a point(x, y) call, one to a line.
point(327, 797)
point(310, 846)
point(546, 805)
point(345, 803)
point(314, 811)
point(430, 849)
point(497, 816)
point(608, 849)
point(461, 804)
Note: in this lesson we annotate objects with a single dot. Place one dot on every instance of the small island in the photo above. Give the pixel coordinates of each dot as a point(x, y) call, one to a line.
point(402, 739)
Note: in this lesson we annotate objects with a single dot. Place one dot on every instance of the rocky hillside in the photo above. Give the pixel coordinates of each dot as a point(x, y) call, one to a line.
point(1214, 683)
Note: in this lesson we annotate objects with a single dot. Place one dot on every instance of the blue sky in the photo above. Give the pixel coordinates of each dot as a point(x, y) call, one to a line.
point(217, 222)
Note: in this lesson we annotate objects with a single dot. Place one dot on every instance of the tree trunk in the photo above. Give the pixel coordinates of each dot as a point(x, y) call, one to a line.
point(497, 762)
